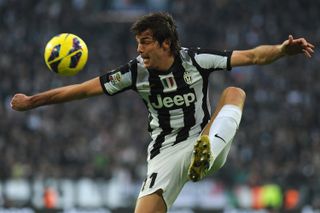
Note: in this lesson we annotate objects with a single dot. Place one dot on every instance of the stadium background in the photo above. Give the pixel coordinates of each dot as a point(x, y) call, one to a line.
point(91, 154)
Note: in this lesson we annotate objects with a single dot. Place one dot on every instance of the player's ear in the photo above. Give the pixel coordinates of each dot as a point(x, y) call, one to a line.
point(166, 44)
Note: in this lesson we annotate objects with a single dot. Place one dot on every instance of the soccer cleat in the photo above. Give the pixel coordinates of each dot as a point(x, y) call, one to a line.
point(201, 157)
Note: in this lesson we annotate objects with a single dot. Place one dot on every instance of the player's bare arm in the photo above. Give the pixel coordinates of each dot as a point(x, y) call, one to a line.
point(266, 54)
point(22, 102)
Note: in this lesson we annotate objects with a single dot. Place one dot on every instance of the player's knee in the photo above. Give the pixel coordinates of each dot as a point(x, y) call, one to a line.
point(235, 96)
point(235, 91)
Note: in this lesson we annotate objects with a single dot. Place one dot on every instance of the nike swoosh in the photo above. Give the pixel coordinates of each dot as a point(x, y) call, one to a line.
point(217, 136)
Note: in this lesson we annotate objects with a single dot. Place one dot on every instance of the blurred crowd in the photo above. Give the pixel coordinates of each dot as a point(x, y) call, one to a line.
point(278, 140)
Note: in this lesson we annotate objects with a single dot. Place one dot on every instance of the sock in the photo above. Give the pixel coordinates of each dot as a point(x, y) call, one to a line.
point(223, 129)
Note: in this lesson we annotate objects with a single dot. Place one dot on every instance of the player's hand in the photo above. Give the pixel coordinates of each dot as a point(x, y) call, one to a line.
point(20, 102)
point(297, 46)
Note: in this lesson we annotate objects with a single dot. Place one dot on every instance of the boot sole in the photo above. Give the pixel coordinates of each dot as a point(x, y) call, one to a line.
point(200, 161)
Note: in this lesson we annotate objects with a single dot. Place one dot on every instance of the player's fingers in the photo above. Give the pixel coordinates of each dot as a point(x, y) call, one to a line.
point(306, 53)
point(304, 42)
point(16, 100)
point(13, 99)
point(290, 37)
point(13, 104)
point(311, 45)
point(301, 41)
point(289, 41)
point(310, 50)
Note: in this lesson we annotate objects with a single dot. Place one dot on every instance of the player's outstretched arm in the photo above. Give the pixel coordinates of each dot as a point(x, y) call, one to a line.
point(266, 54)
point(22, 102)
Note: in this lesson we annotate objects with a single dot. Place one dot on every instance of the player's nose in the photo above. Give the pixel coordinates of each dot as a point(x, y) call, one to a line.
point(139, 49)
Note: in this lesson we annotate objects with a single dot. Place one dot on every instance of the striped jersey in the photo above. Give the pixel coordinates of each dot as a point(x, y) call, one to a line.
point(177, 99)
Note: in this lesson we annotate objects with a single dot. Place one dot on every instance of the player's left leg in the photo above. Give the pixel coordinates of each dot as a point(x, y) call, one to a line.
point(152, 203)
point(212, 148)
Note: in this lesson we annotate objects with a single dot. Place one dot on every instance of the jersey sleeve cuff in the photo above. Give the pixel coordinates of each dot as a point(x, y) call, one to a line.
point(102, 80)
point(229, 54)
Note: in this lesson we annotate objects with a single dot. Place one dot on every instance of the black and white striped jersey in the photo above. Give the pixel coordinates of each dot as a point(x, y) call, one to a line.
point(177, 99)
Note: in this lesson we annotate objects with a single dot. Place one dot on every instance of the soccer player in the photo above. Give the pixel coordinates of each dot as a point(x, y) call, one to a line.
point(187, 144)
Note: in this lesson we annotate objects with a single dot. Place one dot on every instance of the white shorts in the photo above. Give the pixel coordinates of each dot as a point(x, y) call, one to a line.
point(168, 171)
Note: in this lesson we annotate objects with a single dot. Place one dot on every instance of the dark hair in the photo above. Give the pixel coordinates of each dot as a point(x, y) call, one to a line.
point(162, 27)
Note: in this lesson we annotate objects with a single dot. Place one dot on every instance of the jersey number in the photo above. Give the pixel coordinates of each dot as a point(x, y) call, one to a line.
point(152, 178)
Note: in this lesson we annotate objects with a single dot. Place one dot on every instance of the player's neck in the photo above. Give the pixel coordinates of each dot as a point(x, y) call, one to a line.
point(166, 63)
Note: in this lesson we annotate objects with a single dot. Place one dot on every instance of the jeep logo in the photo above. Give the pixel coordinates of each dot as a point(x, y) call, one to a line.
point(173, 101)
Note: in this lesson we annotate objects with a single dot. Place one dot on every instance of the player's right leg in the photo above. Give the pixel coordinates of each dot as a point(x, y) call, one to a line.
point(211, 149)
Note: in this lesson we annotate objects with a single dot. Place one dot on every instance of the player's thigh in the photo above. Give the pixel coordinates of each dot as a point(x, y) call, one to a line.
point(152, 203)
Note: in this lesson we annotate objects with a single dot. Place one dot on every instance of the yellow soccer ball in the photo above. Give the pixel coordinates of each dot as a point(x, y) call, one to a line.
point(66, 54)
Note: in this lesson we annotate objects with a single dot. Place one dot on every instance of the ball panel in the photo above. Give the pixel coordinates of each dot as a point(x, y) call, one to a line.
point(55, 52)
point(75, 60)
point(54, 66)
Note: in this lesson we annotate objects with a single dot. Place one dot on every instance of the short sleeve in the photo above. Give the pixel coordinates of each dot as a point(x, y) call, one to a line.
point(117, 80)
point(210, 60)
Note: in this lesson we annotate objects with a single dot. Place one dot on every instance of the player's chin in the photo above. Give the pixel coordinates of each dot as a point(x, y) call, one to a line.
point(147, 66)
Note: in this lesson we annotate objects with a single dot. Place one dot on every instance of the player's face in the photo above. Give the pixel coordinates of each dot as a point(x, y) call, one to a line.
point(154, 56)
